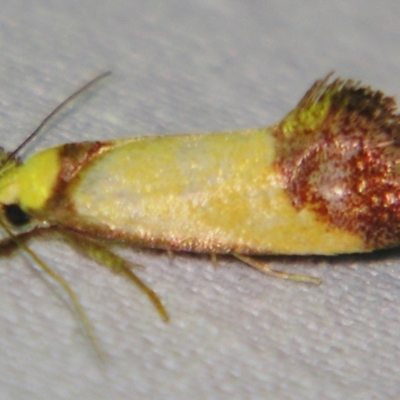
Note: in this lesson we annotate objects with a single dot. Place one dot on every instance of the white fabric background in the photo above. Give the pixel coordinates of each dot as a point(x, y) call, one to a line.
point(192, 66)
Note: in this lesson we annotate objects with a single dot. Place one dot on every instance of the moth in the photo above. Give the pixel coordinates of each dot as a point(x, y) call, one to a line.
point(324, 180)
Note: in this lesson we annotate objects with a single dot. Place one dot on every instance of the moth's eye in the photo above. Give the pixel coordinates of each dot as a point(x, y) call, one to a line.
point(15, 215)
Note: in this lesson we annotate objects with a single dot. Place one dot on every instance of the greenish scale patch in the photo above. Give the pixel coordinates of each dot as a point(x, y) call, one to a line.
point(311, 110)
point(329, 106)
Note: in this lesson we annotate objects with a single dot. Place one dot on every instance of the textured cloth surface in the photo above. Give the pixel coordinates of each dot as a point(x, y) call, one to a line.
point(192, 66)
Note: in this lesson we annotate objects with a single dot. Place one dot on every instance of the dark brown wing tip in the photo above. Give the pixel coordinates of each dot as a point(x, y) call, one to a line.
point(339, 151)
point(342, 101)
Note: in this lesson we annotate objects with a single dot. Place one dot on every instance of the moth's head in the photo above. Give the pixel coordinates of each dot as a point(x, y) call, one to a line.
point(339, 151)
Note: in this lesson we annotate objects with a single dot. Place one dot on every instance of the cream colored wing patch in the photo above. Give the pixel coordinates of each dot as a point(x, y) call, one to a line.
point(214, 193)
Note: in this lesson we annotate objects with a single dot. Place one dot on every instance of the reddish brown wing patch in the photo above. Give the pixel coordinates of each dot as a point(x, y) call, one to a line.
point(74, 157)
point(343, 161)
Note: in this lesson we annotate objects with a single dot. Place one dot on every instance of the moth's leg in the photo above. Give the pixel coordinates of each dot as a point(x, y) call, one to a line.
point(115, 263)
point(264, 268)
point(18, 242)
point(214, 260)
point(8, 244)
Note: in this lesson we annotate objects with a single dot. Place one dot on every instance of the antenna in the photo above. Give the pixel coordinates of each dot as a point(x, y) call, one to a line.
point(62, 105)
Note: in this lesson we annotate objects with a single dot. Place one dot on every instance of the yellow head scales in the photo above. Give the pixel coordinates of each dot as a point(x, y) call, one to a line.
point(30, 184)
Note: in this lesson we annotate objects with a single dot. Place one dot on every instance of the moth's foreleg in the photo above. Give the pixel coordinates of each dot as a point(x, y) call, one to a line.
point(18, 242)
point(9, 245)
